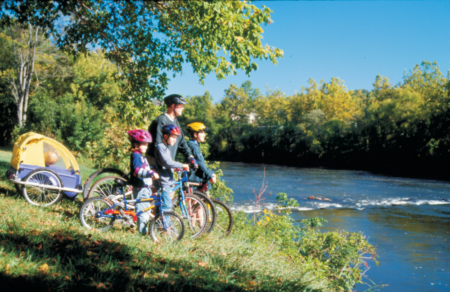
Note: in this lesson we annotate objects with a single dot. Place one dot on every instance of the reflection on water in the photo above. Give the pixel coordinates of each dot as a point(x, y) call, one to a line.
point(407, 219)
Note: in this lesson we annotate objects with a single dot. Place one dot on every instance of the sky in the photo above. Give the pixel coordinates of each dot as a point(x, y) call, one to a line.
point(354, 41)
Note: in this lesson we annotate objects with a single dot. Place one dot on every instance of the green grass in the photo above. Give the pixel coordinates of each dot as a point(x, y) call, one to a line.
point(47, 249)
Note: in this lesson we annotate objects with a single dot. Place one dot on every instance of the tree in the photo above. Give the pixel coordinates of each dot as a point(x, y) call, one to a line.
point(149, 39)
point(28, 59)
point(24, 44)
point(235, 104)
point(428, 81)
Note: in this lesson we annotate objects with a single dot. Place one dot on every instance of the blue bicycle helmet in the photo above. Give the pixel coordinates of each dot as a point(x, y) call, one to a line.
point(170, 129)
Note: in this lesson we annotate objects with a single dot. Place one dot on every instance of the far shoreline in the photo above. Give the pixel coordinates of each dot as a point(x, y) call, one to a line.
point(388, 170)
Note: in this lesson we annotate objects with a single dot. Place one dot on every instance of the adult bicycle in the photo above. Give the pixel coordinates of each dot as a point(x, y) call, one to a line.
point(223, 217)
point(189, 206)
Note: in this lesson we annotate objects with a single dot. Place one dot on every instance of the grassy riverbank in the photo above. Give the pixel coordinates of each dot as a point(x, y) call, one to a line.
point(48, 249)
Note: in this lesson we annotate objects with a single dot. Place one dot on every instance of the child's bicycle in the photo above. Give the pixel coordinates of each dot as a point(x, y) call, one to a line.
point(222, 217)
point(101, 213)
point(192, 208)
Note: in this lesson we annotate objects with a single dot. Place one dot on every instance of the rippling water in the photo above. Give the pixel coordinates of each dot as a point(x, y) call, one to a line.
point(407, 219)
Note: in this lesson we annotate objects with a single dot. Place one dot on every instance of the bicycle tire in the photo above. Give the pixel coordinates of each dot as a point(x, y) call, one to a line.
point(107, 186)
point(159, 234)
point(194, 230)
point(210, 206)
point(41, 196)
point(88, 214)
point(224, 217)
point(92, 177)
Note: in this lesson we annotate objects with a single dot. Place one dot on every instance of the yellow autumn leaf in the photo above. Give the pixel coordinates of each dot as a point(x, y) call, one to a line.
point(43, 268)
point(202, 264)
point(239, 38)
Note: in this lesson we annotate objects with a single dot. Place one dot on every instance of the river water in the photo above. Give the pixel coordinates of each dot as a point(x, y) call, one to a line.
point(407, 219)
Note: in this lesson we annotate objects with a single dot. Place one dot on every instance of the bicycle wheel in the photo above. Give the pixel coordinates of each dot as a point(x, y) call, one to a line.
point(197, 215)
point(93, 178)
point(107, 186)
point(175, 232)
point(224, 217)
point(89, 214)
point(40, 195)
point(211, 210)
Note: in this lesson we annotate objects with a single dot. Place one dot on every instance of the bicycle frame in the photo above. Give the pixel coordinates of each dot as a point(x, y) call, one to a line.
point(155, 200)
point(179, 185)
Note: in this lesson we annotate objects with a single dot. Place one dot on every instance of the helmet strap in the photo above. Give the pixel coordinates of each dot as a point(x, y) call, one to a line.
point(174, 112)
point(171, 113)
point(167, 142)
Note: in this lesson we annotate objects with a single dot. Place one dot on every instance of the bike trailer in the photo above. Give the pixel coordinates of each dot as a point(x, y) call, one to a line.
point(34, 151)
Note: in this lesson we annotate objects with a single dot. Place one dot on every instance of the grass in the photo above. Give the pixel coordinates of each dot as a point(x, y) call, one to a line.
point(47, 249)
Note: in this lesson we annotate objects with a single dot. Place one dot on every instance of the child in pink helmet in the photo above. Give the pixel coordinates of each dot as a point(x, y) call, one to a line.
point(141, 174)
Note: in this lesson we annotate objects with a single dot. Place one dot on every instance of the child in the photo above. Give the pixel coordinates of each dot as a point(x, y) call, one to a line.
point(165, 163)
point(50, 157)
point(141, 174)
point(198, 135)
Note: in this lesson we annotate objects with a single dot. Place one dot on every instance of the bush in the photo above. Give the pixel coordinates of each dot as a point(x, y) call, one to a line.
point(336, 257)
point(75, 123)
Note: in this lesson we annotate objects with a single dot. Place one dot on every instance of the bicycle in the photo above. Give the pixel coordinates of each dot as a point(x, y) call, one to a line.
point(101, 213)
point(223, 217)
point(191, 206)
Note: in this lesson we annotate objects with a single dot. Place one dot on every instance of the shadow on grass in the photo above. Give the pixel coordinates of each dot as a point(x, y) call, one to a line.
point(78, 262)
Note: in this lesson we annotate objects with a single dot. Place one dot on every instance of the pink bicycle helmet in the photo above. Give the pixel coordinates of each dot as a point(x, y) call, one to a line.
point(139, 136)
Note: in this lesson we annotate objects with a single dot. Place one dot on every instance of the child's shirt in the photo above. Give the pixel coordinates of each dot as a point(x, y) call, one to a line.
point(202, 172)
point(140, 171)
point(165, 163)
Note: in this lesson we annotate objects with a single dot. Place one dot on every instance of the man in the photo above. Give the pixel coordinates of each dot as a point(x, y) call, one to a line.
point(175, 106)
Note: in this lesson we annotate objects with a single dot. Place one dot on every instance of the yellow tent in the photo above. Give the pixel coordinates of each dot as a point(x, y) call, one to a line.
point(30, 148)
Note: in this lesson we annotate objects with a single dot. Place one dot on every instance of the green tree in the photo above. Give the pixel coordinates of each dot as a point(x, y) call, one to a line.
point(235, 104)
point(22, 49)
point(149, 39)
point(428, 81)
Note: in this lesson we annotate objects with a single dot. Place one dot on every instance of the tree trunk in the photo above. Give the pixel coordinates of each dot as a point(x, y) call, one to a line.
point(24, 59)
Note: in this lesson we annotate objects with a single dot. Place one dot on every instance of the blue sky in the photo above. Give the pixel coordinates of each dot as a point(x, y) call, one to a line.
point(354, 41)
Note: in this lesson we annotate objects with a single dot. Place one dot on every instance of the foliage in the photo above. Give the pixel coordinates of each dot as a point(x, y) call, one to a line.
point(26, 56)
point(219, 190)
point(284, 202)
point(148, 39)
point(335, 257)
point(74, 122)
point(405, 127)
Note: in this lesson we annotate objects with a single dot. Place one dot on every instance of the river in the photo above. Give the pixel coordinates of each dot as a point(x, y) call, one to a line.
point(408, 220)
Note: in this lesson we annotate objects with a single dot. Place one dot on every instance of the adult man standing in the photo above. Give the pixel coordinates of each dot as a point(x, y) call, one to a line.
point(175, 106)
